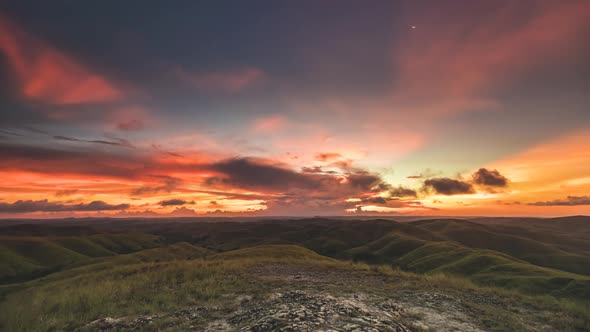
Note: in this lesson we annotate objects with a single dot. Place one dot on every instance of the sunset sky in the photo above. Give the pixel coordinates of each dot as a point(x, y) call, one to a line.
point(189, 108)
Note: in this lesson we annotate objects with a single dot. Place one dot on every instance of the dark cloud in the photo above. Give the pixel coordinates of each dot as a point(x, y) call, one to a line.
point(490, 178)
point(46, 160)
point(316, 170)
point(375, 200)
point(21, 206)
point(273, 183)
point(501, 202)
point(36, 130)
point(11, 133)
point(234, 195)
point(288, 191)
point(183, 212)
point(402, 192)
point(427, 173)
point(120, 142)
point(169, 184)
point(174, 201)
point(448, 186)
point(364, 181)
point(569, 201)
point(250, 173)
point(114, 142)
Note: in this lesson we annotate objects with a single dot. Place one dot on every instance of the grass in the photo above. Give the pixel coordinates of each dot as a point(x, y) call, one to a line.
point(70, 298)
point(517, 242)
point(65, 280)
point(565, 314)
point(125, 285)
point(27, 257)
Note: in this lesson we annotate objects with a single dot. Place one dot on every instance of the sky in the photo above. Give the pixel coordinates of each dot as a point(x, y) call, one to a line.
point(294, 108)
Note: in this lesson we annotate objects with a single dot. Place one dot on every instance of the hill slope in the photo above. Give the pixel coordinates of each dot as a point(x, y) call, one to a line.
point(25, 257)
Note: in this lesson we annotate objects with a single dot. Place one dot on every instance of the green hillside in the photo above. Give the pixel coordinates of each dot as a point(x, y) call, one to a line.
point(515, 242)
point(173, 281)
point(26, 257)
point(527, 256)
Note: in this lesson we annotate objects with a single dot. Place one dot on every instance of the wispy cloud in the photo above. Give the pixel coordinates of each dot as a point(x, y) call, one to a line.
point(568, 201)
point(29, 206)
point(224, 81)
point(46, 74)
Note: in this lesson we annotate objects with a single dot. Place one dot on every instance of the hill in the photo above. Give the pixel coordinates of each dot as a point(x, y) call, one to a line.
point(27, 257)
point(157, 271)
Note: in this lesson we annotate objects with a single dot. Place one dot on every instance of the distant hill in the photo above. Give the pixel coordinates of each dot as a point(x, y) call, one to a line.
point(534, 255)
point(502, 274)
point(25, 257)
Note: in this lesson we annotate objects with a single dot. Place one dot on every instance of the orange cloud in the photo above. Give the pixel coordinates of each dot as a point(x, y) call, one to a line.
point(48, 75)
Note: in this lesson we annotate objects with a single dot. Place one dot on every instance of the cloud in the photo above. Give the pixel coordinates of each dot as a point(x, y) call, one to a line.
point(375, 200)
point(364, 181)
point(289, 191)
point(174, 201)
point(249, 173)
point(131, 118)
point(66, 192)
point(427, 173)
point(118, 142)
point(129, 164)
point(183, 212)
point(316, 170)
point(28, 206)
point(327, 156)
point(448, 186)
point(169, 185)
point(228, 81)
point(270, 124)
point(11, 133)
point(569, 201)
point(481, 55)
point(45, 160)
point(130, 125)
point(402, 192)
point(261, 182)
point(490, 178)
point(48, 75)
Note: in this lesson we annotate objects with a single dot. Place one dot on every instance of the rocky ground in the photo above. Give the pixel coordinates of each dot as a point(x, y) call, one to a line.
point(309, 298)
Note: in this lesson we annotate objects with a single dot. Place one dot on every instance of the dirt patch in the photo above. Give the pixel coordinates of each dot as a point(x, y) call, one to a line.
point(318, 298)
point(305, 311)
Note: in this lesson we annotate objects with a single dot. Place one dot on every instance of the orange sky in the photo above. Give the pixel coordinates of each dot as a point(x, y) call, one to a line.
point(402, 108)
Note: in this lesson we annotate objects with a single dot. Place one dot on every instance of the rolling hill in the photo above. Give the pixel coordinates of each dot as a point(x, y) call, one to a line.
point(138, 262)
point(26, 257)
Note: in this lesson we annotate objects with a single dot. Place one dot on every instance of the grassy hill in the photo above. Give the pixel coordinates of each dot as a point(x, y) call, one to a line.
point(153, 279)
point(168, 283)
point(26, 257)
point(515, 242)
point(126, 267)
point(458, 246)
